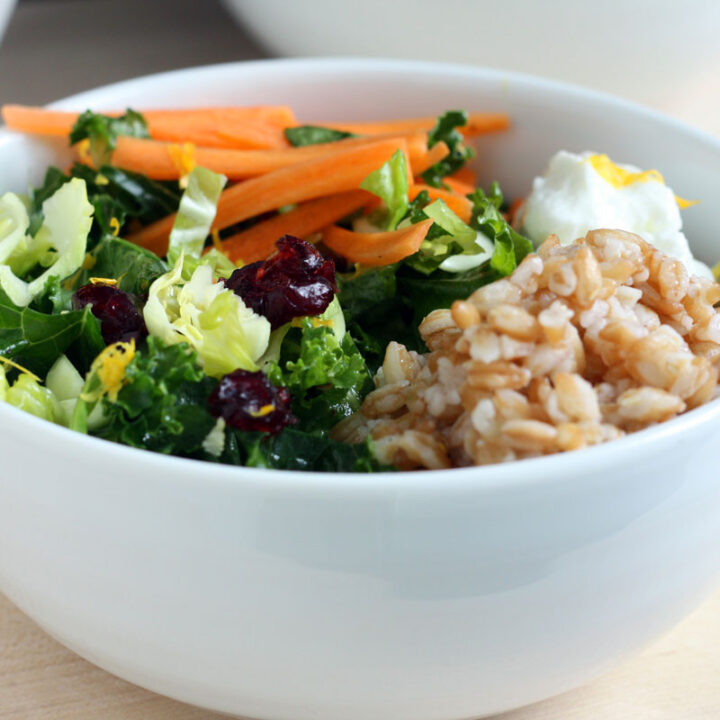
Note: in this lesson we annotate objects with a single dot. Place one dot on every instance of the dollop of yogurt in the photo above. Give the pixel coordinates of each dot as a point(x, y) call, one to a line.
point(581, 192)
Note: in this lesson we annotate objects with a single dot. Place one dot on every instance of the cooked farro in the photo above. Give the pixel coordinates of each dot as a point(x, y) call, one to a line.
point(582, 344)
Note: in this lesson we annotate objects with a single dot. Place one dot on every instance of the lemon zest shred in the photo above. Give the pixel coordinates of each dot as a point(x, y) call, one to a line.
point(619, 177)
point(263, 411)
point(110, 366)
point(115, 226)
point(17, 366)
point(320, 322)
point(100, 179)
point(83, 150)
point(683, 203)
point(183, 158)
point(103, 281)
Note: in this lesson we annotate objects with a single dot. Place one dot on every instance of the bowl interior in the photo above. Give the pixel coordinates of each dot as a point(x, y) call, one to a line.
point(547, 116)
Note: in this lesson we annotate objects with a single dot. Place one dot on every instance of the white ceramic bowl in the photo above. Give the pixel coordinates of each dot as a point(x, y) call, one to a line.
point(424, 596)
point(657, 52)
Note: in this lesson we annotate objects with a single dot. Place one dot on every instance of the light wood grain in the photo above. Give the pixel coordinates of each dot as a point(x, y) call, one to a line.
point(676, 679)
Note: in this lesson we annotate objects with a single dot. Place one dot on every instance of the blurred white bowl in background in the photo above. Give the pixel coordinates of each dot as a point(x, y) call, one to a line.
point(6, 9)
point(660, 53)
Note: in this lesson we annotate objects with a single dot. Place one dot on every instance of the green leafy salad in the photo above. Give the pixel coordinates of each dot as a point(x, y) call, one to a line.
point(206, 341)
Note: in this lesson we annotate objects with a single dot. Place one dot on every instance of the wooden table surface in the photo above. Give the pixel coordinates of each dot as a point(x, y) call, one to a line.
point(676, 679)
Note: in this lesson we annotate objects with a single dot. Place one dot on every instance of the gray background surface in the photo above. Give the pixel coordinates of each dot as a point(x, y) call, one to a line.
point(54, 48)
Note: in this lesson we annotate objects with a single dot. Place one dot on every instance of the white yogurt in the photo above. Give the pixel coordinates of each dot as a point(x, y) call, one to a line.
point(574, 197)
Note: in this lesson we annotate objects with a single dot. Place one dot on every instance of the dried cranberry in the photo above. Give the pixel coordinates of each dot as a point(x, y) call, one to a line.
point(249, 401)
point(294, 282)
point(120, 320)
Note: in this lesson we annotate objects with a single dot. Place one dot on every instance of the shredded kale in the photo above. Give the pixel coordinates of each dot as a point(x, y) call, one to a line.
point(445, 130)
point(510, 246)
point(298, 450)
point(327, 378)
point(102, 132)
point(163, 406)
point(314, 135)
point(35, 340)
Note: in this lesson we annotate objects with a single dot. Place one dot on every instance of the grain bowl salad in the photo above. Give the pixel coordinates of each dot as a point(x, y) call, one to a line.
point(230, 285)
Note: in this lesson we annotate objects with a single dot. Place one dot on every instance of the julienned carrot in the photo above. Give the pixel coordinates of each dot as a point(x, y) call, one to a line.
point(216, 130)
point(460, 205)
point(434, 154)
point(466, 175)
point(38, 121)
point(158, 160)
point(254, 127)
point(376, 249)
point(325, 175)
point(458, 186)
point(478, 123)
point(257, 242)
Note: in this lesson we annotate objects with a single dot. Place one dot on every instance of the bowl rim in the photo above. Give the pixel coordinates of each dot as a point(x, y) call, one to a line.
point(510, 475)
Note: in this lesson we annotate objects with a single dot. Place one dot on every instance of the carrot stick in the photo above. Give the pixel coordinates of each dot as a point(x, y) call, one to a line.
point(38, 121)
point(159, 160)
point(478, 123)
point(458, 186)
point(257, 242)
point(259, 127)
point(325, 175)
point(460, 205)
point(376, 249)
point(466, 175)
point(435, 154)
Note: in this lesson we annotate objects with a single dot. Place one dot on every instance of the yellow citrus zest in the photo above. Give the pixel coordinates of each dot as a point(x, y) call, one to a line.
point(103, 281)
point(110, 366)
point(263, 411)
point(183, 158)
point(12, 363)
point(115, 226)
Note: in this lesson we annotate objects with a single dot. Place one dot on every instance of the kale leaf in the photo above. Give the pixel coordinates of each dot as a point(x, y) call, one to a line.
point(35, 340)
point(326, 378)
point(445, 130)
point(102, 132)
point(510, 246)
point(163, 407)
point(297, 450)
point(314, 135)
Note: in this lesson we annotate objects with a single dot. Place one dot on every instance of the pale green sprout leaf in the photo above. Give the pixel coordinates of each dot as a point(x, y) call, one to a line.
point(62, 238)
point(474, 247)
point(390, 183)
point(27, 394)
point(196, 213)
point(212, 319)
point(67, 384)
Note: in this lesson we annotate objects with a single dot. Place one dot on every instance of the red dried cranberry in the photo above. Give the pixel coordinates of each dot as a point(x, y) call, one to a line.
point(294, 282)
point(249, 401)
point(120, 320)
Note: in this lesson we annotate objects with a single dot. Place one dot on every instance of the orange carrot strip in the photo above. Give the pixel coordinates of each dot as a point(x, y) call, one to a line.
point(460, 205)
point(458, 186)
point(213, 127)
point(376, 249)
point(157, 160)
point(38, 120)
point(435, 154)
point(279, 115)
point(257, 242)
point(324, 175)
point(466, 175)
point(478, 123)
